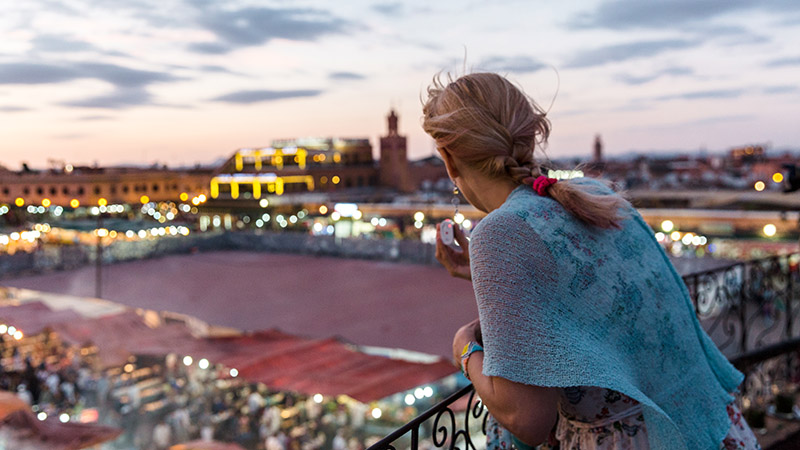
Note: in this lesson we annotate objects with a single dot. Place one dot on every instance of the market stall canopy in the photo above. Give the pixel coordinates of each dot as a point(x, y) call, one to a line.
point(86, 307)
point(207, 445)
point(20, 430)
point(33, 317)
point(310, 366)
point(120, 335)
point(276, 359)
point(10, 403)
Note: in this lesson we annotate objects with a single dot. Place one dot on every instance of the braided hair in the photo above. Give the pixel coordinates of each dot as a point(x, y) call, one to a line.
point(486, 122)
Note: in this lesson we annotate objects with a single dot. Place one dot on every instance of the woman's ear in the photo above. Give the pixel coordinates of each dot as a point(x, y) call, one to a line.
point(449, 163)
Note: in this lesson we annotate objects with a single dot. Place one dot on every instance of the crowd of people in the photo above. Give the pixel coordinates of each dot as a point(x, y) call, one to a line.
point(159, 402)
point(47, 375)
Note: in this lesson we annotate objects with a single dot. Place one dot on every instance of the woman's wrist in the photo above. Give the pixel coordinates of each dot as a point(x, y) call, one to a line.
point(470, 348)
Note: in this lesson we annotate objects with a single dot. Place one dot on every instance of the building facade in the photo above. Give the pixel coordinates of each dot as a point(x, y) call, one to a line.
point(295, 166)
point(322, 165)
point(71, 186)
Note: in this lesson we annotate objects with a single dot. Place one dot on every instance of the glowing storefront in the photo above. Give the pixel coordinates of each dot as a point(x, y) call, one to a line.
point(294, 166)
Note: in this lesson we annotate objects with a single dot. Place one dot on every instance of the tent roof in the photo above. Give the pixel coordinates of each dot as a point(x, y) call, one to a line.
point(276, 359)
point(120, 335)
point(207, 445)
point(87, 307)
point(309, 366)
point(33, 317)
point(29, 432)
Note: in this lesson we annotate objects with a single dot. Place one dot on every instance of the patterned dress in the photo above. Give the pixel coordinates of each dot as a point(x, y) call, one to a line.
point(591, 418)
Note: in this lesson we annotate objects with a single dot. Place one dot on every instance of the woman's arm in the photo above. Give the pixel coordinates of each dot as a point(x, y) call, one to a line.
point(528, 412)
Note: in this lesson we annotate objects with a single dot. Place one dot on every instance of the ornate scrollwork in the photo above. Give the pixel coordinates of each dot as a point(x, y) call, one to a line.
point(767, 293)
point(474, 410)
point(446, 431)
point(718, 303)
point(769, 377)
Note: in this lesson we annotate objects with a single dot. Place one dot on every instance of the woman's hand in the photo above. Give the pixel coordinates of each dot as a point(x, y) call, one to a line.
point(465, 334)
point(456, 262)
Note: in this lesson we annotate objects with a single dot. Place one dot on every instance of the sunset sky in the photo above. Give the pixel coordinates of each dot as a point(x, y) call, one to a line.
point(189, 81)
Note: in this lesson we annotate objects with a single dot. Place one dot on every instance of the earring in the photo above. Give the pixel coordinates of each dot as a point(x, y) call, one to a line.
point(455, 201)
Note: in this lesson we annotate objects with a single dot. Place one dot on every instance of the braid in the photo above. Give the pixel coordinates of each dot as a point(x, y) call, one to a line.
point(520, 165)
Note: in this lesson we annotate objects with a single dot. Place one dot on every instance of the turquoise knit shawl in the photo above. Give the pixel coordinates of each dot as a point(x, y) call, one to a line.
point(563, 304)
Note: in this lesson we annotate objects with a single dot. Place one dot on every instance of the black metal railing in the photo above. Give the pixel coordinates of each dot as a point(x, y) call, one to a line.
point(749, 305)
point(750, 309)
point(450, 429)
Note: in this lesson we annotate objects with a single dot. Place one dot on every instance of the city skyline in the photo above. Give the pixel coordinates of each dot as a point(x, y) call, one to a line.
point(190, 81)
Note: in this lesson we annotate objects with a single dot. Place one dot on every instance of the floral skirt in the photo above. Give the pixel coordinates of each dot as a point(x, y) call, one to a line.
point(618, 433)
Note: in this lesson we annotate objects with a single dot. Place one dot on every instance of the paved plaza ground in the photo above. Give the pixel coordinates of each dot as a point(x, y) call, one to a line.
point(414, 307)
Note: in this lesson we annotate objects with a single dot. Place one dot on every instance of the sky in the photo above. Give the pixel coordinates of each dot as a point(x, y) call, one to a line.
point(182, 82)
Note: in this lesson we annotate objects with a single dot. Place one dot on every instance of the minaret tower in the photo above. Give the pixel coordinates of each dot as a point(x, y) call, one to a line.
point(394, 169)
point(598, 149)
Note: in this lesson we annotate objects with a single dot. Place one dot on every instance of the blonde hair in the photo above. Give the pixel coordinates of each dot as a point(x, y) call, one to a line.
point(486, 122)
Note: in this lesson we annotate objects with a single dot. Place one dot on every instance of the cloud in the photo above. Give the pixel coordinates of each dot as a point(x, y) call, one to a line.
point(729, 35)
point(41, 73)
point(637, 14)
point(784, 62)
point(36, 73)
point(633, 106)
point(346, 76)
point(388, 9)
point(720, 119)
point(95, 117)
point(785, 89)
point(14, 109)
point(642, 79)
point(122, 76)
point(791, 21)
point(255, 96)
point(257, 25)
point(129, 83)
point(696, 95)
point(624, 52)
point(119, 99)
point(516, 64)
point(217, 69)
point(211, 48)
point(69, 136)
point(60, 44)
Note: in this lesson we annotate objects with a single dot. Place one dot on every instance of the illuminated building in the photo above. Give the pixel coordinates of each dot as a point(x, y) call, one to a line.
point(747, 154)
point(293, 166)
point(321, 165)
point(89, 185)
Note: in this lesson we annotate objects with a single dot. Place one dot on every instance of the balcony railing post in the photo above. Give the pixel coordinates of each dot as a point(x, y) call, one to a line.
point(789, 298)
point(789, 319)
point(743, 307)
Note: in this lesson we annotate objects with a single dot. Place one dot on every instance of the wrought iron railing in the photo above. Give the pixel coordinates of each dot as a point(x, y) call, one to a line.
point(750, 309)
point(448, 429)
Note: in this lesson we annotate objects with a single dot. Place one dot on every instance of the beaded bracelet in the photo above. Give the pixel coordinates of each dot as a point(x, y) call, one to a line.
point(469, 349)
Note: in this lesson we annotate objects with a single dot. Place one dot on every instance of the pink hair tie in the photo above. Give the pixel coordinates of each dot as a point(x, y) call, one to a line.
point(541, 184)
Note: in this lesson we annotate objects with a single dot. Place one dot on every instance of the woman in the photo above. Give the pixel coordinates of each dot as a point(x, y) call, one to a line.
point(586, 334)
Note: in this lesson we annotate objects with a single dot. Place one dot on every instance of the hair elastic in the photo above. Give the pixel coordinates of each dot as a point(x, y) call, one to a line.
point(540, 184)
